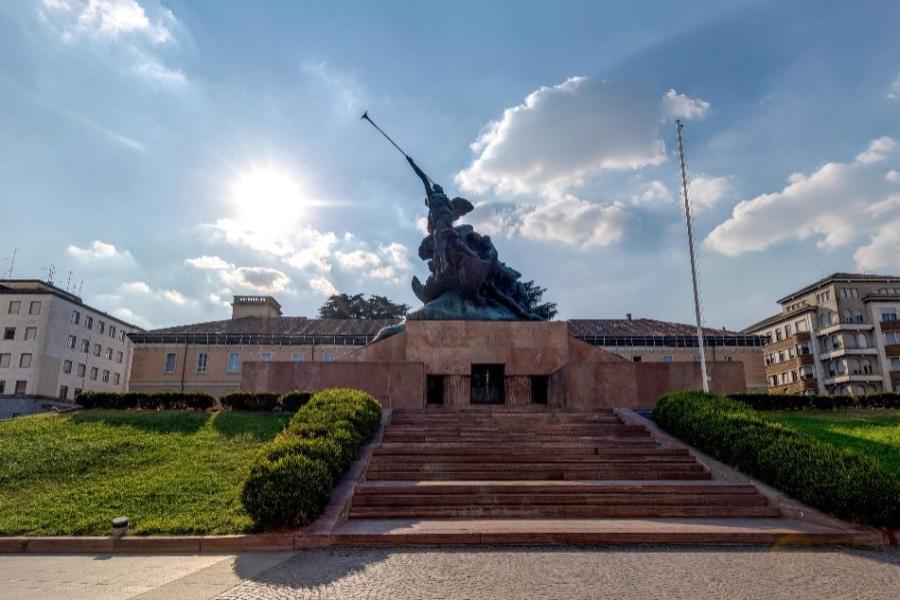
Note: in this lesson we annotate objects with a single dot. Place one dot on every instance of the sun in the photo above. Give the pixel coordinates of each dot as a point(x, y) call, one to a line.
point(267, 196)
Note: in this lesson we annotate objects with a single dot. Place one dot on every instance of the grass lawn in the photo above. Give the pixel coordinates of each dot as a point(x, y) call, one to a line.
point(168, 471)
point(873, 432)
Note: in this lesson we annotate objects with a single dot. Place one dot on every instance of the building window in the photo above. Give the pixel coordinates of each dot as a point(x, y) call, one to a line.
point(265, 356)
point(85, 346)
point(63, 392)
point(105, 377)
point(81, 370)
point(97, 349)
point(30, 333)
point(787, 330)
point(112, 331)
point(170, 362)
point(4, 360)
point(109, 354)
point(330, 357)
point(14, 307)
point(888, 314)
point(297, 357)
point(667, 358)
point(88, 322)
point(862, 341)
point(34, 308)
point(71, 342)
point(2, 387)
point(891, 338)
point(895, 363)
point(202, 360)
point(9, 333)
point(94, 372)
point(120, 356)
point(234, 362)
point(67, 366)
point(25, 361)
point(857, 316)
point(116, 378)
point(76, 317)
point(101, 326)
point(77, 393)
point(21, 387)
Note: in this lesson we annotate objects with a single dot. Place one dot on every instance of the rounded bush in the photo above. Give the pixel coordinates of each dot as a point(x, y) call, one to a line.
point(289, 492)
point(293, 401)
point(248, 401)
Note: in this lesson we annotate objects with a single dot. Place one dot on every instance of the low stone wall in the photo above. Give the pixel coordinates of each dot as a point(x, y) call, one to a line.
point(655, 379)
point(394, 384)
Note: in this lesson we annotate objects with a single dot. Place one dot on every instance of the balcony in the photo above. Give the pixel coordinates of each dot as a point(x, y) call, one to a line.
point(845, 327)
point(892, 349)
point(853, 378)
point(842, 351)
point(788, 342)
point(890, 326)
point(792, 364)
point(797, 387)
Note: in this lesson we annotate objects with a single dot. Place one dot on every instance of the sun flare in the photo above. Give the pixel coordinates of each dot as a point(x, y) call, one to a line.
point(267, 196)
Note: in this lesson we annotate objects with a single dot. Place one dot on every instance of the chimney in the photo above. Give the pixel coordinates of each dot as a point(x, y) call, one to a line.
point(255, 306)
point(627, 316)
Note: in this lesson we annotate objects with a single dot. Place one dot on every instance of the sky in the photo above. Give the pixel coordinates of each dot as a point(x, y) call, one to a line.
point(164, 155)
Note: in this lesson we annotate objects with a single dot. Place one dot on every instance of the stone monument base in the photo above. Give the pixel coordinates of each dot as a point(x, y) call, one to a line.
point(447, 365)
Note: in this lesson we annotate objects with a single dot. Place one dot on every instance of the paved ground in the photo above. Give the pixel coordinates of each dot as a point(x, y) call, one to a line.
point(489, 573)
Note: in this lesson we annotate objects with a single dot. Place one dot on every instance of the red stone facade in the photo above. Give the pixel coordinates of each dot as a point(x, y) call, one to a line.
point(577, 376)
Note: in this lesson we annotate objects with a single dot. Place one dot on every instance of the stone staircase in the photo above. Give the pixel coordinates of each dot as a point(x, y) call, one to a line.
point(531, 464)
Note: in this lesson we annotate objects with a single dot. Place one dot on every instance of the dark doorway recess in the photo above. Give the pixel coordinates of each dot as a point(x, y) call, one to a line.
point(434, 389)
point(539, 385)
point(487, 385)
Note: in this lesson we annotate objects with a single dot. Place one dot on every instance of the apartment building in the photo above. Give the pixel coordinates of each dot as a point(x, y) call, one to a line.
point(839, 335)
point(53, 345)
point(650, 340)
point(208, 357)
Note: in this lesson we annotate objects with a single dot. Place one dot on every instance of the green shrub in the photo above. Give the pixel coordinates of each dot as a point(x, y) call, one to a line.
point(293, 401)
point(261, 402)
point(797, 402)
point(835, 480)
point(285, 486)
point(137, 400)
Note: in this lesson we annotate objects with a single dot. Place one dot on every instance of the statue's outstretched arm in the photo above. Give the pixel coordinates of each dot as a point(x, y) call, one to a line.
point(421, 174)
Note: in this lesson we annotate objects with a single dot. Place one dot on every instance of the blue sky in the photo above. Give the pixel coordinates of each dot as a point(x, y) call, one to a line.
point(171, 153)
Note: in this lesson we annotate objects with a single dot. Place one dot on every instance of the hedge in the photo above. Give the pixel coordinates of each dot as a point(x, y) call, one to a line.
point(137, 400)
point(266, 402)
point(830, 478)
point(290, 482)
point(797, 402)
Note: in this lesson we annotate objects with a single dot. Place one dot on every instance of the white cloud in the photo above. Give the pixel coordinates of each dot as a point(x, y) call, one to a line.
point(323, 286)
point(357, 259)
point(98, 251)
point(653, 194)
point(173, 296)
point(129, 316)
point(209, 262)
point(894, 89)
point(877, 151)
point(838, 204)
point(135, 287)
point(678, 105)
point(258, 279)
point(559, 139)
point(705, 192)
point(154, 70)
point(108, 19)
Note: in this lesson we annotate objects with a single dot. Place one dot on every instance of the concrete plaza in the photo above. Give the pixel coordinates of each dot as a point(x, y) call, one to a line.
point(489, 573)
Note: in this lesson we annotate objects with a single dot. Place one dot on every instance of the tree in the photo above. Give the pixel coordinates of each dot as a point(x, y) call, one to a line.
point(534, 294)
point(357, 306)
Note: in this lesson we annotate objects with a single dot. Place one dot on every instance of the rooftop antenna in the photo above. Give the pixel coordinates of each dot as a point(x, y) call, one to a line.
point(679, 130)
point(50, 271)
point(80, 285)
point(12, 264)
point(68, 280)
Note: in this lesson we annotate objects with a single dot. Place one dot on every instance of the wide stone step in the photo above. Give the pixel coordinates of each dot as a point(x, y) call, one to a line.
point(671, 464)
point(561, 511)
point(428, 450)
point(501, 439)
point(538, 499)
point(629, 473)
point(438, 488)
point(529, 457)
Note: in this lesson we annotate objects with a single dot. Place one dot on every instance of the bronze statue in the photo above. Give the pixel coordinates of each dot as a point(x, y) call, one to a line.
point(467, 280)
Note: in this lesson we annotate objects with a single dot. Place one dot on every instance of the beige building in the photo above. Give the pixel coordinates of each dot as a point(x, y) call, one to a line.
point(53, 345)
point(649, 340)
point(208, 357)
point(839, 335)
